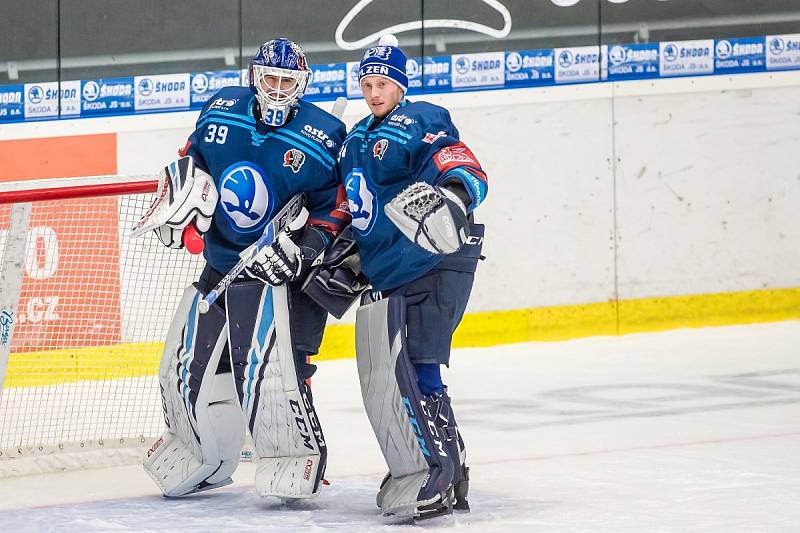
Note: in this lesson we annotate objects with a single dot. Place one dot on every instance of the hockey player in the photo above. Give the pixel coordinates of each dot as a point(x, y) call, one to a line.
point(243, 363)
point(412, 186)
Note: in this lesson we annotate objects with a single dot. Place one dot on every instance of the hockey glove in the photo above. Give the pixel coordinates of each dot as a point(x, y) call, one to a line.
point(432, 217)
point(291, 255)
point(338, 282)
point(169, 236)
point(186, 194)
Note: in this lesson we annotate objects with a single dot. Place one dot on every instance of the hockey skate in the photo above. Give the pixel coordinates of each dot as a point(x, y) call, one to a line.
point(455, 497)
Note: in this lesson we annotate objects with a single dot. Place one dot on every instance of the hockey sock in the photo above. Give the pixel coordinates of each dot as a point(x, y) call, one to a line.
point(304, 368)
point(429, 378)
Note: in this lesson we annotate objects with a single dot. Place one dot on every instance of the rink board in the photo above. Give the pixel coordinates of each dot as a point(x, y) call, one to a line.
point(614, 207)
point(32, 369)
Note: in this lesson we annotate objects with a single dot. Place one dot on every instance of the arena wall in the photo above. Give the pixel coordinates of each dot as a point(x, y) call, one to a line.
point(613, 207)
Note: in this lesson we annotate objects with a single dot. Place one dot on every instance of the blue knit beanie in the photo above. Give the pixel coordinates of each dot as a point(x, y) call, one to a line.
point(385, 60)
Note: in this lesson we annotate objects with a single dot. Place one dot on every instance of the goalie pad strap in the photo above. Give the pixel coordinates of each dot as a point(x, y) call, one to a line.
point(420, 468)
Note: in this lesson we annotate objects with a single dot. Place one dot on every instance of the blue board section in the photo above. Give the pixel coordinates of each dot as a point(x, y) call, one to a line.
point(106, 97)
point(11, 103)
point(430, 74)
point(328, 82)
point(732, 56)
point(632, 61)
point(529, 68)
point(203, 85)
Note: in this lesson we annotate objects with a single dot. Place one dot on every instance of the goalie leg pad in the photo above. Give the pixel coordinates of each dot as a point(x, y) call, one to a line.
point(421, 472)
point(201, 446)
point(276, 401)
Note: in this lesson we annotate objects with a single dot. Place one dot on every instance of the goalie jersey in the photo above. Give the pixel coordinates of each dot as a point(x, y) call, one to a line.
point(258, 168)
point(415, 142)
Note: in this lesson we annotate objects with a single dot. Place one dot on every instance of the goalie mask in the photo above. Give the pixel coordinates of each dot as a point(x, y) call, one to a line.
point(279, 76)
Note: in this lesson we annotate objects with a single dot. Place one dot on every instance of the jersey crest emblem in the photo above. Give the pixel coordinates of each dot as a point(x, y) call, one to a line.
point(361, 201)
point(294, 159)
point(243, 195)
point(379, 148)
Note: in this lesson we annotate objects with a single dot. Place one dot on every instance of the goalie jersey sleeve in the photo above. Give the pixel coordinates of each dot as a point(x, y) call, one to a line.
point(416, 142)
point(257, 169)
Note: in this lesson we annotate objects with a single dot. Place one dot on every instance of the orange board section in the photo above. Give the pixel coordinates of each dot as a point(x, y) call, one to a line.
point(58, 157)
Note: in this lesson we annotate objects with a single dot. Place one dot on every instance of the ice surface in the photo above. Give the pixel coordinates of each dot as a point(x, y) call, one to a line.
point(691, 430)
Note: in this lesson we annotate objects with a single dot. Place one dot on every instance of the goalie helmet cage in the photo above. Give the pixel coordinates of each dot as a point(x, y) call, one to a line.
point(83, 314)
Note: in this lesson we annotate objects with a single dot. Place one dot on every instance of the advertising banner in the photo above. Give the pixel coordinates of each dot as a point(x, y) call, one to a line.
point(71, 283)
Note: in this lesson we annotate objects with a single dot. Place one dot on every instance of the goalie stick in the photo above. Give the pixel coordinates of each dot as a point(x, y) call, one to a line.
point(284, 217)
point(278, 223)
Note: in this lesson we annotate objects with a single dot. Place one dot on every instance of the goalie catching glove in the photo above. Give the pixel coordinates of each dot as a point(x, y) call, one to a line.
point(293, 253)
point(435, 218)
point(186, 195)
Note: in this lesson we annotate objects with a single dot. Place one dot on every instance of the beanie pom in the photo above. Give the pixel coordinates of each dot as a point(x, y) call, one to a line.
point(388, 40)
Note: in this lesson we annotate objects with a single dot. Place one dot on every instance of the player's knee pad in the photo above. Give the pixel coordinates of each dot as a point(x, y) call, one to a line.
point(201, 446)
point(421, 470)
point(275, 399)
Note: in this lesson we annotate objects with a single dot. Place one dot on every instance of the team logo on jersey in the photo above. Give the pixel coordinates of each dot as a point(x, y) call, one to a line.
point(244, 197)
point(431, 138)
point(379, 148)
point(221, 103)
point(361, 201)
point(294, 159)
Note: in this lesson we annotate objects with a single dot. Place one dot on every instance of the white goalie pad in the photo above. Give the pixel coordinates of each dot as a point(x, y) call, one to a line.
point(200, 448)
point(286, 433)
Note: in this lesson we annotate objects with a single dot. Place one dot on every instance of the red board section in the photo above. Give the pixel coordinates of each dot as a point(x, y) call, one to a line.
point(71, 286)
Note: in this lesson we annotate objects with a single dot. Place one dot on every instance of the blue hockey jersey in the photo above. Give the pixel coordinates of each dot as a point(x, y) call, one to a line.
point(415, 142)
point(258, 168)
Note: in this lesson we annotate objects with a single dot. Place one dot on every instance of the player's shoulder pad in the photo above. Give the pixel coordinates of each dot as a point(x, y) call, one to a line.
point(319, 126)
point(419, 118)
point(234, 100)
